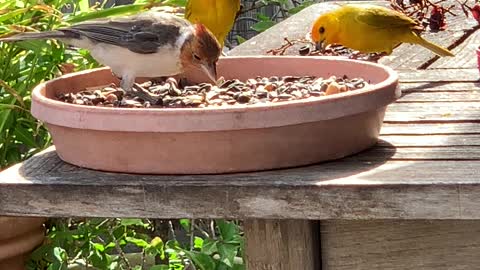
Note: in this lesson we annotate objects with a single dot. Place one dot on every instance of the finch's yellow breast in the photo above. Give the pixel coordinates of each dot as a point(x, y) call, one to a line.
point(217, 15)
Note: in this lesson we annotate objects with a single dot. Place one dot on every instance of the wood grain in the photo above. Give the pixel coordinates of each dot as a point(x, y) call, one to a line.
point(400, 245)
point(430, 128)
point(429, 140)
point(439, 75)
point(365, 186)
point(282, 244)
point(434, 86)
point(422, 97)
point(465, 55)
point(433, 112)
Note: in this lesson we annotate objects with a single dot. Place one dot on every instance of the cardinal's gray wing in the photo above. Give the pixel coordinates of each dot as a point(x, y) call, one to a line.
point(143, 33)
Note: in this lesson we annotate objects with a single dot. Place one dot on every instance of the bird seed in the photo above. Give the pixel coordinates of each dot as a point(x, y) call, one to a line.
point(170, 93)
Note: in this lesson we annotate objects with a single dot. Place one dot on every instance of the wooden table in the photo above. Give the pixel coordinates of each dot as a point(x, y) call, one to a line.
point(411, 202)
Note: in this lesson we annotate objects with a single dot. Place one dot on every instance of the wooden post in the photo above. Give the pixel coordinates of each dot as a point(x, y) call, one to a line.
point(282, 244)
point(399, 245)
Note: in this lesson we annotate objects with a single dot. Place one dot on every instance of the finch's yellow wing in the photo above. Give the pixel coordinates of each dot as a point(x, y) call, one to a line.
point(188, 10)
point(380, 17)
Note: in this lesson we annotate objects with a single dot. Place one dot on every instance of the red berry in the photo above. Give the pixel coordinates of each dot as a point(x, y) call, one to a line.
point(476, 12)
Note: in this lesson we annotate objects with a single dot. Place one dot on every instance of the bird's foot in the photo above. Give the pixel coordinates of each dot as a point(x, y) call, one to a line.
point(144, 94)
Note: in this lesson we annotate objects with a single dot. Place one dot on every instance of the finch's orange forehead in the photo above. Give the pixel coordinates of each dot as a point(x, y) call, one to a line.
point(315, 33)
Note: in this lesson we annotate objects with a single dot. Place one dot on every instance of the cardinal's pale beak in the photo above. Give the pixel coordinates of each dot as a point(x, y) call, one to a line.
point(211, 71)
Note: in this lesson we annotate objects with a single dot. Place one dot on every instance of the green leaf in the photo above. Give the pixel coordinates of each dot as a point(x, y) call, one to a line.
point(99, 247)
point(156, 247)
point(209, 246)
point(185, 223)
point(263, 17)
point(7, 4)
point(228, 230)
point(138, 242)
point(57, 266)
point(203, 261)
point(227, 253)
point(59, 254)
point(103, 13)
point(84, 5)
point(240, 39)
point(10, 107)
point(12, 14)
point(132, 222)
point(98, 259)
point(25, 137)
point(198, 242)
point(300, 7)
point(160, 267)
point(262, 25)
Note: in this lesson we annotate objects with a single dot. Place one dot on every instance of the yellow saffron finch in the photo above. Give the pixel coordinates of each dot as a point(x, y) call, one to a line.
point(369, 29)
point(217, 15)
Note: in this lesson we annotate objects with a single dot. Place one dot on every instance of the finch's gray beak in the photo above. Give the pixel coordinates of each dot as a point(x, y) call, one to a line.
point(320, 45)
point(211, 71)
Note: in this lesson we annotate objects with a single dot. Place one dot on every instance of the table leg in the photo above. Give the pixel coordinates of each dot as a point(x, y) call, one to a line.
point(400, 245)
point(282, 244)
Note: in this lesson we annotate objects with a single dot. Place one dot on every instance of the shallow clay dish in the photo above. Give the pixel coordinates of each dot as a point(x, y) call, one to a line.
point(221, 140)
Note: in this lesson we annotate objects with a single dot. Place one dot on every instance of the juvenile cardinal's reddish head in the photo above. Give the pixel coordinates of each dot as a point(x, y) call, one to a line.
point(201, 50)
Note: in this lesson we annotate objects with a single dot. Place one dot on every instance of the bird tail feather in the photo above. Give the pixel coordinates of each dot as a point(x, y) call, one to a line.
point(433, 47)
point(35, 35)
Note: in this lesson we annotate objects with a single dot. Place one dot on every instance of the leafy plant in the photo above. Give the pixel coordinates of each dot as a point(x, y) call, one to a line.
point(285, 8)
point(110, 244)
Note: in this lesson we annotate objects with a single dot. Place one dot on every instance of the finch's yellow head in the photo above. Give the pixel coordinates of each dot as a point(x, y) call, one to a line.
point(325, 30)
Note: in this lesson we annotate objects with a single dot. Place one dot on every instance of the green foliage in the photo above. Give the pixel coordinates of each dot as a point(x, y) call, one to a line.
point(107, 244)
point(285, 6)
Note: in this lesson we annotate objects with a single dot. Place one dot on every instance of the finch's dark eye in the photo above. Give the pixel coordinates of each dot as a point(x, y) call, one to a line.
point(196, 57)
point(321, 30)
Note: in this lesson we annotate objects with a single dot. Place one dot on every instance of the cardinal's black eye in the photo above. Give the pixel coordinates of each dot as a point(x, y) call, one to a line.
point(196, 57)
point(321, 30)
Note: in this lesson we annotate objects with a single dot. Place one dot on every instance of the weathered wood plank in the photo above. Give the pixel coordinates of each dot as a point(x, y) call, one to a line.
point(465, 54)
point(429, 141)
point(439, 75)
point(447, 87)
point(281, 244)
point(399, 245)
point(426, 97)
point(429, 129)
point(438, 91)
point(465, 152)
point(433, 112)
point(346, 189)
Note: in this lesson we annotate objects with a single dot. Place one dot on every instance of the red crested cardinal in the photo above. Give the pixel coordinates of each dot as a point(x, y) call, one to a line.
point(148, 44)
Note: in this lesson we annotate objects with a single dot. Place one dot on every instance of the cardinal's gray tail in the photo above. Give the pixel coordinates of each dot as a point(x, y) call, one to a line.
point(37, 35)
